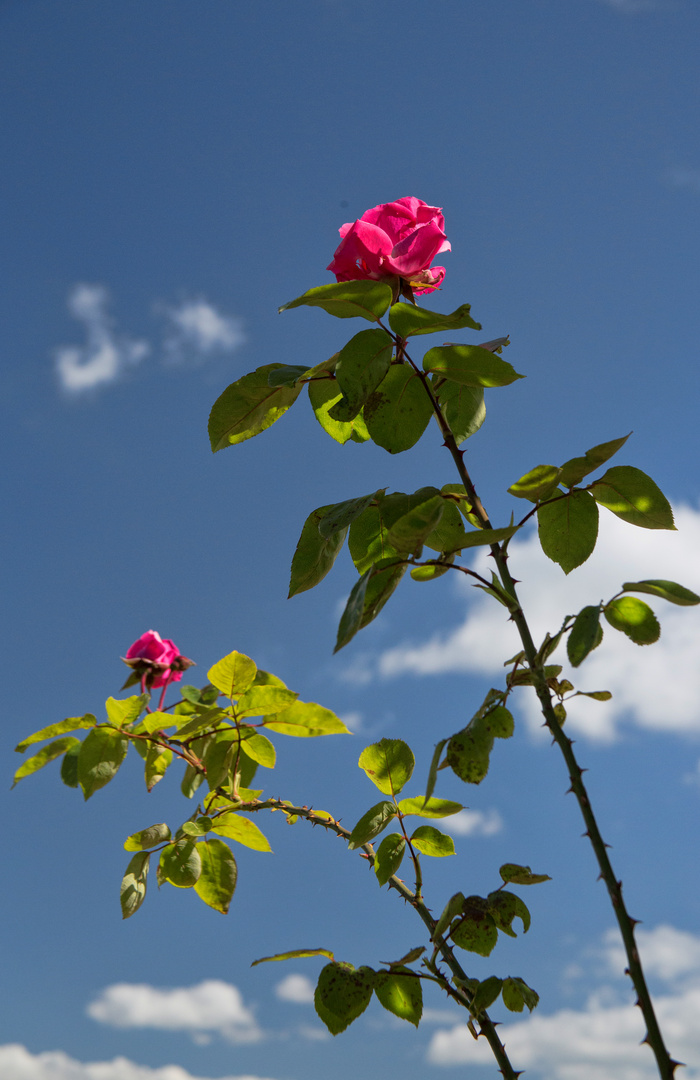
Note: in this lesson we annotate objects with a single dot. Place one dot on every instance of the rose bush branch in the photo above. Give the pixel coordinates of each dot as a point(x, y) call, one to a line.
point(373, 388)
point(230, 746)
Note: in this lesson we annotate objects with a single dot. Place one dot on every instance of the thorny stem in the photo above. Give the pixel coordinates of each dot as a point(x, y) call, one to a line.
point(665, 1063)
point(462, 995)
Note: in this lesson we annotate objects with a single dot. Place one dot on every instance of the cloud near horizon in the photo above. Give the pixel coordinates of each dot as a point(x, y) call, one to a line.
point(210, 1007)
point(18, 1063)
point(602, 1040)
point(655, 687)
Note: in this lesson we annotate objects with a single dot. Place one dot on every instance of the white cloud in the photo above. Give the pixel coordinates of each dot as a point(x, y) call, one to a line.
point(473, 823)
point(602, 1040)
point(656, 687)
point(197, 329)
point(296, 988)
point(211, 1006)
point(683, 178)
point(669, 954)
point(104, 356)
point(17, 1063)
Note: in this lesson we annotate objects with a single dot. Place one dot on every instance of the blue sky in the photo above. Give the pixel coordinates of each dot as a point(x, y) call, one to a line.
point(174, 173)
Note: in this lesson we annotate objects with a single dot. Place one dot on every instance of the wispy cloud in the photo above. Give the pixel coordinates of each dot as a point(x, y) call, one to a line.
point(473, 823)
point(637, 7)
point(104, 356)
point(602, 1040)
point(212, 1006)
point(296, 988)
point(197, 329)
point(17, 1063)
point(683, 177)
point(194, 330)
point(655, 687)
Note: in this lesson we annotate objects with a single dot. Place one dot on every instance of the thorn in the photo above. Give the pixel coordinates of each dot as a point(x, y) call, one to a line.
point(674, 1064)
point(646, 1038)
point(586, 833)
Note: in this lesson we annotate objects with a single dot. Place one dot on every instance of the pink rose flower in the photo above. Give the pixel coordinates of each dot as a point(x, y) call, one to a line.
point(160, 661)
point(398, 239)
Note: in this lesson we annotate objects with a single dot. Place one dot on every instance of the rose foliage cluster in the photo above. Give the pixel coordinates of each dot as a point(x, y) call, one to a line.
point(376, 387)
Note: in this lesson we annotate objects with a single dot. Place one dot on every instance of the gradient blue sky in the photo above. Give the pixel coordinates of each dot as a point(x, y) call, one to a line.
point(175, 171)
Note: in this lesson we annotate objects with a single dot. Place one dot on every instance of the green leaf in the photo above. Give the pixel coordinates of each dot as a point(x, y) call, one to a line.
point(388, 858)
point(537, 484)
point(73, 723)
point(369, 533)
point(483, 537)
point(341, 515)
point(574, 470)
point(449, 532)
point(233, 675)
point(100, 757)
point(181, 864)
point(432, 570)
point(347, 299)
point(470, 365)
point(452, 909)
point(362, 365)
point(568, 529)
point(476, 931)
point(200, 827)
point(126, 710)
point(324, 394)
point(485, 994)
point(305, 719)
point(242, 830)
point(633, 496)
point(409, 320)
point(287, 375)
point(368, 597)
point(209, 720)
point(430, 841)
point(434, 766)
point(147, 838)
point(216, 883)
point(342, 994)
point(432, 808)
point(45, 755)
point(295, 954)
point(157, 762)
point(521, 875)
point(463, 407)
point(505, 907)
point(634, 618)
point(192, 780)
point(409, 533)
point(155, 721)
point(261, 700)
point(667, 590)
point(586, 634)
point(371, 824)
point(469, 751)
point(248, 407)
point(389, 764)
point(133, 887)
point(259, 749)
point(597, 695)
point(315, 554)
point(401, 993)
point(398, 411)
point(69, 766)
point(517, 993)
